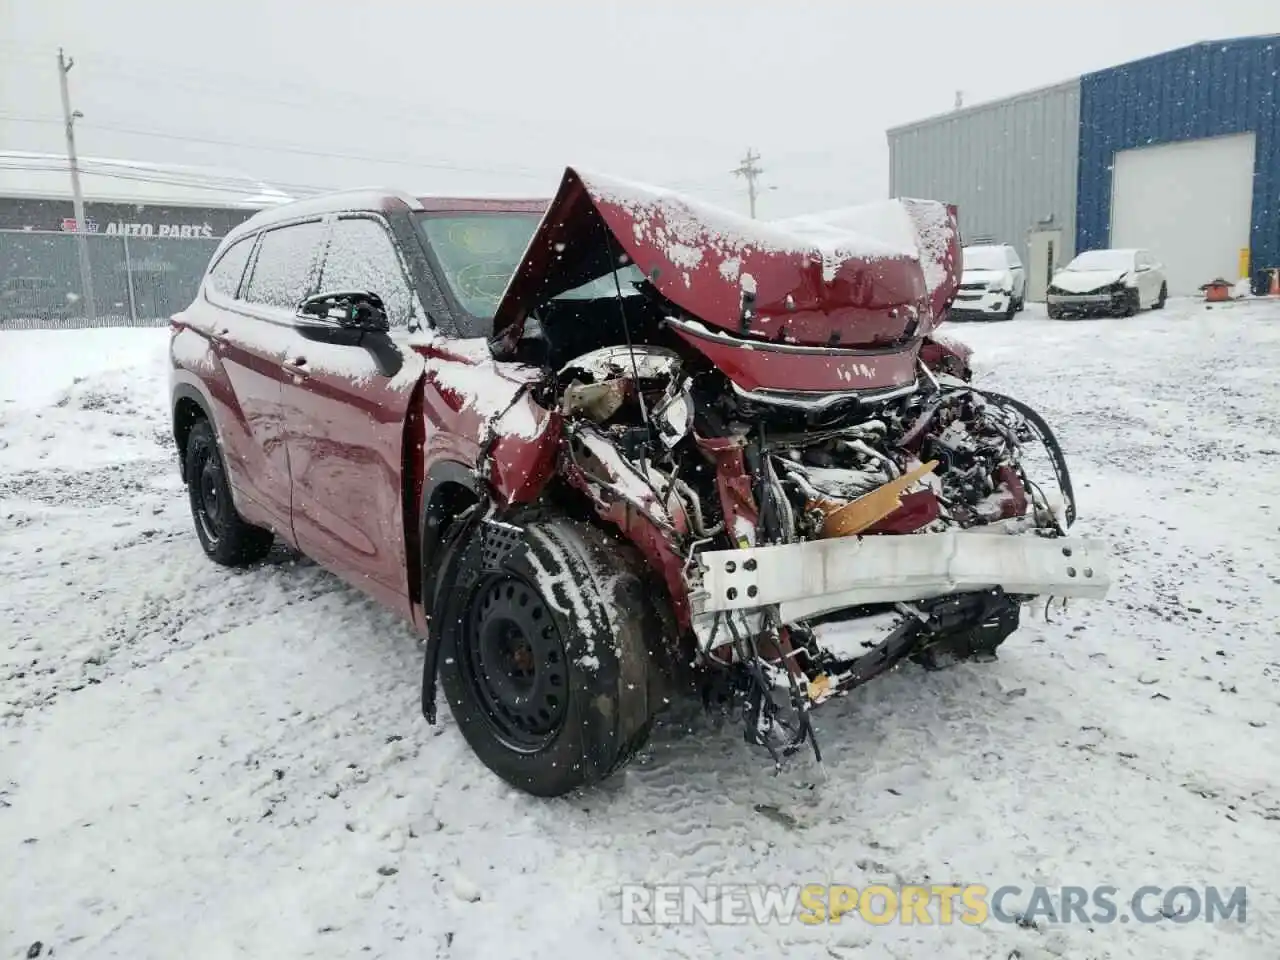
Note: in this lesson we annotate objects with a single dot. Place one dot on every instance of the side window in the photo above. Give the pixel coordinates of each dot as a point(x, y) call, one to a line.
point(226, 273)
point(362, 256)
point(1012, 254)
point(282, 272)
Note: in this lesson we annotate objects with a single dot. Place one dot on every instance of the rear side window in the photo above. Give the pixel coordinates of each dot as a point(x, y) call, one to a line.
point(282, 272)
point(363, 257)
point(1013, 257)
point(226, 273)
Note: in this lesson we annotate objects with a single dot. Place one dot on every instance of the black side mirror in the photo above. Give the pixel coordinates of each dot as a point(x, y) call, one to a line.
point(350, 309)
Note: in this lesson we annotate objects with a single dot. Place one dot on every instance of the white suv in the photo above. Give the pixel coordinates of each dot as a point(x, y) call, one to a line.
point(994, 284)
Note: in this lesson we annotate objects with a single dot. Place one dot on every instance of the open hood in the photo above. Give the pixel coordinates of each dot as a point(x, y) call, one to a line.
point(861, 277)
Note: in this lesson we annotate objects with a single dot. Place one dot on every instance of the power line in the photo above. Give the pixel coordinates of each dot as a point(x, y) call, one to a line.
point(14, 118)
point(306, 152)
point(310, 96)
point(329, 99)
point(229, 185)
point(527, 172)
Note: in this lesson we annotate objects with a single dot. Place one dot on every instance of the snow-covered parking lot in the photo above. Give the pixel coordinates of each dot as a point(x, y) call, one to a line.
point(196, 762)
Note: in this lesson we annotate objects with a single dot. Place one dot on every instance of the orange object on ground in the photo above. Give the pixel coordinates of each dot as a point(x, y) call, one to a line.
point(1217, 291)
point(1275, 283)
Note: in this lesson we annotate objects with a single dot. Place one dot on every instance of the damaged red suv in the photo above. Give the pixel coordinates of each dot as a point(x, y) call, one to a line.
point(619, 446)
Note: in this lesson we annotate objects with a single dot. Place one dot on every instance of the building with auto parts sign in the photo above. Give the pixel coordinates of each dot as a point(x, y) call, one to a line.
point(151, 230)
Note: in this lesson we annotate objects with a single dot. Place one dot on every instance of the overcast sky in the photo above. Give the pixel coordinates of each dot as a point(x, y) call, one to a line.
point(497, 96)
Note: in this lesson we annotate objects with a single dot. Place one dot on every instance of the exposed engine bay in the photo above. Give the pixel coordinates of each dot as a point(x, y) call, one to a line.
point(650, 430)
point(773, 422)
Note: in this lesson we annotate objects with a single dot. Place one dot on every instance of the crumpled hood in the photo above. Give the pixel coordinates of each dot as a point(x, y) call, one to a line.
point(1086, 281)
point(860, 277)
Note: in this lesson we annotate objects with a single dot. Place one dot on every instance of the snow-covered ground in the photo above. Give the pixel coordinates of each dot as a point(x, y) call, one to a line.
point(203, 763)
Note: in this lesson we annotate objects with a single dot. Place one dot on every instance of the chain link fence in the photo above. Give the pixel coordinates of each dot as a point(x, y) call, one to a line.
point(137, 281)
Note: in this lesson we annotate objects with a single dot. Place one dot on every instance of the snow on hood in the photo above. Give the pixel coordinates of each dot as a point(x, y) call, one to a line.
point(862, 276)
point(1086, 281)
point(983, 276)
point(922, 229)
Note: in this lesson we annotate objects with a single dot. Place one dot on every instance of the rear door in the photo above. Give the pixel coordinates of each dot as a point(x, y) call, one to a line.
point(346, 409)
point(250, 331)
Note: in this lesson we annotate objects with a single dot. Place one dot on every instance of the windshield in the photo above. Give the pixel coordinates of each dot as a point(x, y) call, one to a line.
point(479, 252)
point(985, 258)
point(1103, 260)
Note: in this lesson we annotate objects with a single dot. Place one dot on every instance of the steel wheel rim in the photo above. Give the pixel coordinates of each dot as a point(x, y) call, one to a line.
point(515, 663)
point(209, 501)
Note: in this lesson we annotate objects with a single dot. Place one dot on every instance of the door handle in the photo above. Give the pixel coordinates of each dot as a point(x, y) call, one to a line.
point(297, 367)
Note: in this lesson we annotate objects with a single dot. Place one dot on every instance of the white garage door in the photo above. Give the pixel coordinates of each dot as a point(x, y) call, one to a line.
point(1189, 204)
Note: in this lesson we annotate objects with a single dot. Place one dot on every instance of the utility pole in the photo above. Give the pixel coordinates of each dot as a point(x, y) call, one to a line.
point(750, 171)
point(82, 241)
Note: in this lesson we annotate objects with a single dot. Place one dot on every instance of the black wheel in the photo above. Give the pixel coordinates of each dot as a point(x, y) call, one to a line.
point(1164, 295)
point(225, 536)
point(545, 658)
point(1012, 311)
point(1055, 313)
point(1022, 303)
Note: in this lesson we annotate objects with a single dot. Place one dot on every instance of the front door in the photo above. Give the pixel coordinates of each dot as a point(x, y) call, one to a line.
point(345, 409)
point(250, 327)
point(1044, 251)
point(1149, 278)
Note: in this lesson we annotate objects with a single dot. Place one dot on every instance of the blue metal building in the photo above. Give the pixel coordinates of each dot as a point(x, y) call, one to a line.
point(1227, 92)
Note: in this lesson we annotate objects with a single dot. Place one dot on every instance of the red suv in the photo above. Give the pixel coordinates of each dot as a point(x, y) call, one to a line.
point(616, 446)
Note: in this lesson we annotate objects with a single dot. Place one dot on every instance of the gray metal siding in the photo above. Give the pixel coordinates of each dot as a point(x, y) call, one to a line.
point(1008, 165)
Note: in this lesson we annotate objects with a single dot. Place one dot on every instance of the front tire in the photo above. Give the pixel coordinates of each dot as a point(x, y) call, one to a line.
point(224, 535)
point(546, 663)
point(1164, 295)
point(1055, 313)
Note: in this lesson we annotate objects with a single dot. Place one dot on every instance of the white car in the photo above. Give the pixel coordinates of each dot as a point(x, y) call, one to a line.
point(1108, 283)
point(993, 286)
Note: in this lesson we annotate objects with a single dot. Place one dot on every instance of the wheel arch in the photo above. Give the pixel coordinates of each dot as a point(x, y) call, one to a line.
point(448, 488)
point(189, 405)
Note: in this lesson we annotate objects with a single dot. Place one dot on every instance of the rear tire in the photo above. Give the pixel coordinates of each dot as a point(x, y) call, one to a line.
point(224, 535)
point(546, 663)
point(1164, 295)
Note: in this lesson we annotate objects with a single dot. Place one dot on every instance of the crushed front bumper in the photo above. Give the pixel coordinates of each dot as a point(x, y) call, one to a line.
point(980, 305)
point(1107, 302)
point(821, 576)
